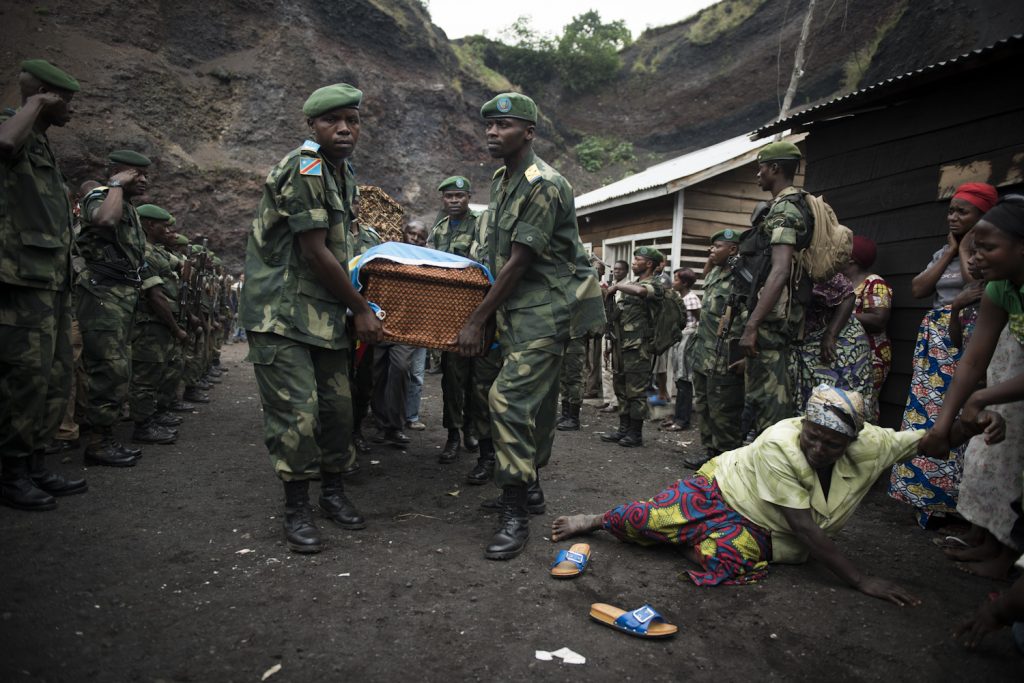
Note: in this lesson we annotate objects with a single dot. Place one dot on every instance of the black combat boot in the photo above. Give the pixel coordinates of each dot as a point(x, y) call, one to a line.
point(181, 407)
point(300, 533)
point(620, 432)
point(168, 419)
point(194, 394)
point(469, 441)
point(17, 488)
point(51, 482)
point(571, 421)
point(535, 503)
point(635, 436)
point(451, 448)
point(695, 462)
point(104, 449)
point(510, 538)
point(148, 431)
point(484, 469)
point(336, 506)
point(564, 415)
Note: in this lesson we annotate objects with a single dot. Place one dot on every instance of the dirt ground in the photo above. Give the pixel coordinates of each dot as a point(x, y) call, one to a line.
point(175, 570)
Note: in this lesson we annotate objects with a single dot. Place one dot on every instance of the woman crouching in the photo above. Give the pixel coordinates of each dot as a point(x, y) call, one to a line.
point(779, 499)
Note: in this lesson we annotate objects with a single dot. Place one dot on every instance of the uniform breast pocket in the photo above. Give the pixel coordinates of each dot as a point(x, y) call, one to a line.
point(41, 256)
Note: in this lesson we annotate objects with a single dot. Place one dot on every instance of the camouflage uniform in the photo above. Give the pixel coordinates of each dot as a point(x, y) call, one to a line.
point(361, 373)
point(153, 343)
point(557, 299)
point(35, 308)
point(106, 300)
point(717, 392)
point(570, 383)
point(769, 389)
point(296, 328)
point(458, 371)
point(631, 360)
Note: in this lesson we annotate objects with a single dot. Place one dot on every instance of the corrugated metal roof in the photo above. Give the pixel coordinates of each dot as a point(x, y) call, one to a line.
point(968, 60)
point(658, 177)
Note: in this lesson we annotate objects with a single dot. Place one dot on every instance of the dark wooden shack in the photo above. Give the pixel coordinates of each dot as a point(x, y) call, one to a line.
point(889, 157)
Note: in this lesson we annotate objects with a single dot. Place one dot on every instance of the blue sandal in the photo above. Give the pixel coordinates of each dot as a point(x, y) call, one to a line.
point(571, 563)
point(645, 622)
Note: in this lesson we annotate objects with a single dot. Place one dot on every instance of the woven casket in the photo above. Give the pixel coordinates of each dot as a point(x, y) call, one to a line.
point(423, 305)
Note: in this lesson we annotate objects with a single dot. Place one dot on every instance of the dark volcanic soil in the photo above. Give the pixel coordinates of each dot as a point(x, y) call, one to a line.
point(175, 571)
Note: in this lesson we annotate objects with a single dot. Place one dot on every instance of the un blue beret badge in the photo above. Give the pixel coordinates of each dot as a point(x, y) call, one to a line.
point(459, 183)
point(728, 234)
point(504, 105)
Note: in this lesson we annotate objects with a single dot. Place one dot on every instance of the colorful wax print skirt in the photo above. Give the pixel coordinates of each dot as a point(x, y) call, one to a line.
point(692, 512)
point(931, 485)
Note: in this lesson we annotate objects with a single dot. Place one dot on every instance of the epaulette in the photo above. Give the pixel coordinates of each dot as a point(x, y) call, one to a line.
point(498, 173)
point(96, 191)
point(532, 174)
point(309, 147)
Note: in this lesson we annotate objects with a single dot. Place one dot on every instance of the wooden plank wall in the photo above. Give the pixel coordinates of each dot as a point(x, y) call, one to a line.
point(633, 219)
point(882, 171)
point(724, 201)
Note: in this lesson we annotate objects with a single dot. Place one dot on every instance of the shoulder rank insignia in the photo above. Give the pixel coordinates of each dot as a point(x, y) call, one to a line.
point(498, 173)
point(309, 146)
point(532, 174)
point(310, 166)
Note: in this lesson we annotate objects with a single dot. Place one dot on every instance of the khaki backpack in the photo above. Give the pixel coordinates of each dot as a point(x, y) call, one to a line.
point(831, 243)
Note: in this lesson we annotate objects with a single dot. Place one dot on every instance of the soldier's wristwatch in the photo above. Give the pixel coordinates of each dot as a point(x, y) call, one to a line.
point(115, 183)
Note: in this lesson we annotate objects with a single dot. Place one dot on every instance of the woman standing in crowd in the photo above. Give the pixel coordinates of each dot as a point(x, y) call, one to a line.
point(873, 304)
point(992, 473)
point(835, 349)
point(931, 483)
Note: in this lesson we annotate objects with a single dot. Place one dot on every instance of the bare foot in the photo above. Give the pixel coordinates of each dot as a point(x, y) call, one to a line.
point(574, 525)
point(996, 568)
point(987, 550)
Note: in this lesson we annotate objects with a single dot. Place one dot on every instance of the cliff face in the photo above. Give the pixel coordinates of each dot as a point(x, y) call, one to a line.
point(213, 91)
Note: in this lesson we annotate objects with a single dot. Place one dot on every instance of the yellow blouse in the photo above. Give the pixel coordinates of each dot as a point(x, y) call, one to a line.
point(773, 471)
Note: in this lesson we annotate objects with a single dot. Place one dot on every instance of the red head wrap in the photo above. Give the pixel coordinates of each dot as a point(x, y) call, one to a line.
point(864, 251)
point(981, 195)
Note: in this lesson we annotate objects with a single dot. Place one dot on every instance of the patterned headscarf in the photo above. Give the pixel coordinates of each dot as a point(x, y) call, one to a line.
point(840, 410)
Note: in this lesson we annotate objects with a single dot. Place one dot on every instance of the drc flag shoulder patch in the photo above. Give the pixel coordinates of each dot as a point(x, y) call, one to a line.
point(310, 166)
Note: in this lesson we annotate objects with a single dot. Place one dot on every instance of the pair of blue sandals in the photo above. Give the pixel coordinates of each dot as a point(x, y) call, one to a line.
point(644, 622)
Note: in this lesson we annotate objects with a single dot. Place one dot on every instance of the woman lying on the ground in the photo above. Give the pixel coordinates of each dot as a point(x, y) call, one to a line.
point(776, 500)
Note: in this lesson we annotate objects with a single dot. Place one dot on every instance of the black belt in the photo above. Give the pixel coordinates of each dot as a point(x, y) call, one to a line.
point(113, 274)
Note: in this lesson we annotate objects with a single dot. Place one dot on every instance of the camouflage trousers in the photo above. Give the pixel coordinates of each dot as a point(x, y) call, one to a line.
point(106, 316)
point(196, 362)
point(35, 366)
point(69, 430)
point(167, 393)
point(457, 390)
point(570, 385)
point(485, 371)
point(361, 377)
point(631, 376)
point(307, 405)
point(768, 383)
point(522, 401)
point(152, 344)
point(718, 404)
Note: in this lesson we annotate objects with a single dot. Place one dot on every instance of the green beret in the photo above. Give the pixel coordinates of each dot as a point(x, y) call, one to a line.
point(196, 249)
point(727, 235)
point(49, 74)
point(217, 261)
point(510, 105)
point(180, 239)
point(651, 253)
point(456, 182)
point(337, 96)
point(778, 151)
point(153, 211)
point(129, 158)
point(172, 220)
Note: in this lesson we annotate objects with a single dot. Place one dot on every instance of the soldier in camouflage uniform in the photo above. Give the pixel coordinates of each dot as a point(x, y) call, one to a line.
point(570, 385)
point(156, 331)
point(454, 233)
point(35, 269)
point(167, 394)
point(361, 237)
point(293, 307)
point(113, 245)
point(776, 312)
point(545, 294)
point(717, 387)
point(631, 358)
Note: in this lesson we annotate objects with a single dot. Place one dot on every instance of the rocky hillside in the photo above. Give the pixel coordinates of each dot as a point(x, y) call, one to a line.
point(213, 91)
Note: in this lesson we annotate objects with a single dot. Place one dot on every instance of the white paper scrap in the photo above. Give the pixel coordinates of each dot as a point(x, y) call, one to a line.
point(270, 672)
point(543, 655)
point(570, 657)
